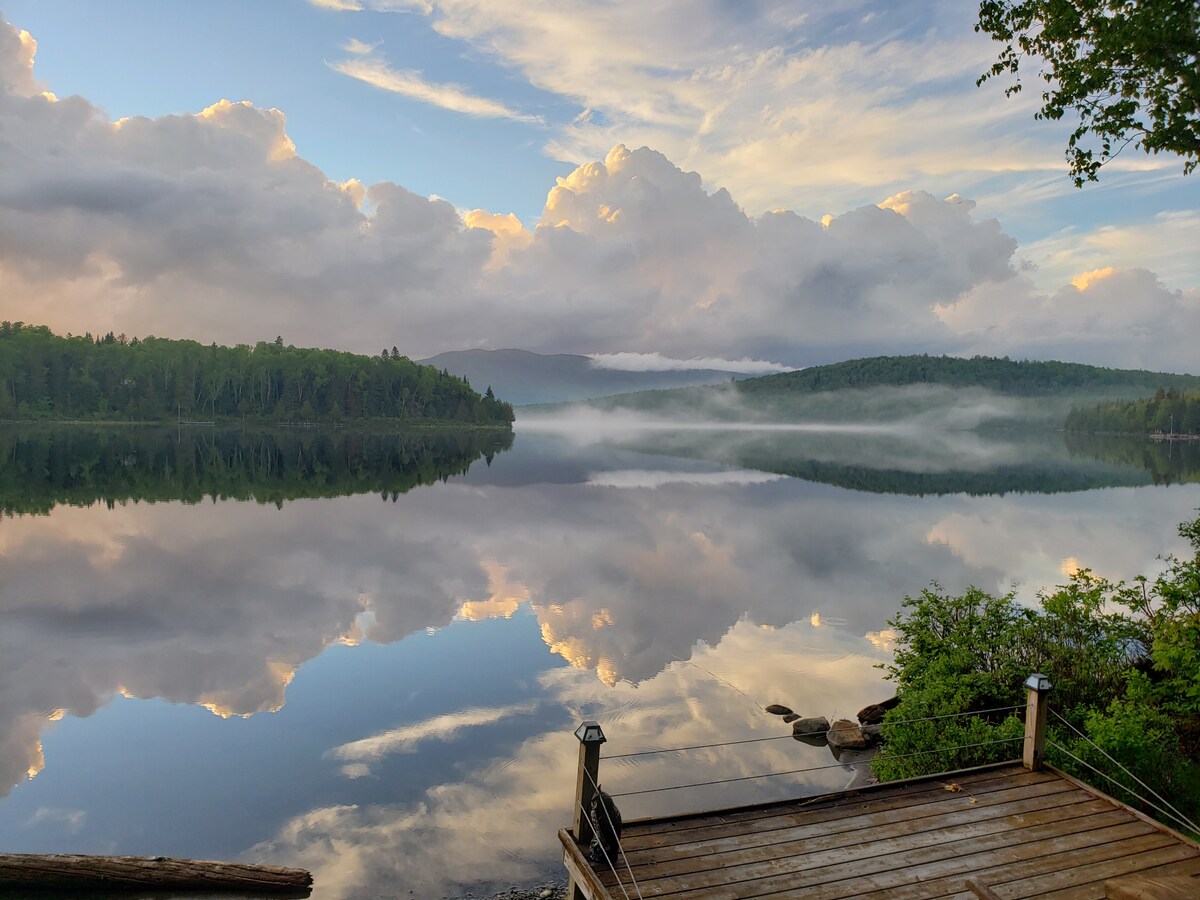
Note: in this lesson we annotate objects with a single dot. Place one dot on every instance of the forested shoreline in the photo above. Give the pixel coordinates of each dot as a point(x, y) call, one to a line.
point(1168, 412)
point(112, 378)
point(1001, 374)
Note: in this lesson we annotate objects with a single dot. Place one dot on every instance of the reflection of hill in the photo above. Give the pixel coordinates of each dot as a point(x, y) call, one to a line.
point(44, 467)
point(1167, 462)
point(916, 463)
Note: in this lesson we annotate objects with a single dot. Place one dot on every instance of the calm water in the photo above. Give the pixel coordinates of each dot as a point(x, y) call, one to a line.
point(369, 659)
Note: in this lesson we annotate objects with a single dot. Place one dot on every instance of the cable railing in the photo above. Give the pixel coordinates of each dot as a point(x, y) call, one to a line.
point(1165, 810)
point(1030, 748)
point(590, 822)
point(810, 734)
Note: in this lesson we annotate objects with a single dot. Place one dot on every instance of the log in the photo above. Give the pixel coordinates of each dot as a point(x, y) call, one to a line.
point(139, 873)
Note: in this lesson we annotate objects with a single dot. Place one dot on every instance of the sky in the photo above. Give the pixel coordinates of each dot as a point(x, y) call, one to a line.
point(784, 182)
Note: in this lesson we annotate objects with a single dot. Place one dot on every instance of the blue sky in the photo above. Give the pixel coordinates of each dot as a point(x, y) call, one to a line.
point(810, 108)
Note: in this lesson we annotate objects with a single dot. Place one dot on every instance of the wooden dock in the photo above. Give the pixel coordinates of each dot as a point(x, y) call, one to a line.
point(997, 831)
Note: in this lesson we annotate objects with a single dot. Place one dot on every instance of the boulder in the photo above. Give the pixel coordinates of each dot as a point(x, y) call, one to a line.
point(790, 717)
point(873, 733)
point(811, 730)
point(846, 735)
point(776, 710)
point(873, 714)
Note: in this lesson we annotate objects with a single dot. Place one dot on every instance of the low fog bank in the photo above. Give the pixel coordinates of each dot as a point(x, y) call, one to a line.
point(897, 411)
point(922, 439)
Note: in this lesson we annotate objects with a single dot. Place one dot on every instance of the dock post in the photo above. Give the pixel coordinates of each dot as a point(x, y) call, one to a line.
point(591, 736)
point(1036, 700)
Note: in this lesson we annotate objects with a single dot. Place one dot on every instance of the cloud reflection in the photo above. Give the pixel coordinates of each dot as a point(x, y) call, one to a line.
point(683, 610)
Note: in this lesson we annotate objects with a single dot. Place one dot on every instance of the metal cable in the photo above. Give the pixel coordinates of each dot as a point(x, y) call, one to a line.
point(1126, 789)
point(978, 712)
point(611, 867)
point(774, 737)
point(781, 737)
point(1161, 799)
point(636, 888)
point(678, 787)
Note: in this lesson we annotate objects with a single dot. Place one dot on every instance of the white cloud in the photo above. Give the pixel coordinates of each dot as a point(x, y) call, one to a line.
point(410, 83)
point(68, 820)
point(213, 226)
point(338, 5)
point(405, 739)
point(359, 48)
point(647, 478)
point(656, 362)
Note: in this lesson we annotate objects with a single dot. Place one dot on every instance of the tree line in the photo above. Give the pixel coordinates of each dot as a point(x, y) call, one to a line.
point(1168, 411)
point(1001, 374)
point(47, 376)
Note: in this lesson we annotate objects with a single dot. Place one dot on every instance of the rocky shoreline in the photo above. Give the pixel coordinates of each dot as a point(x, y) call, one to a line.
point(549, 890)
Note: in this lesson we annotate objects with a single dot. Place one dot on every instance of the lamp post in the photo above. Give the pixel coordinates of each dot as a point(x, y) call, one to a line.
point(1036, 700)
point(591, 736)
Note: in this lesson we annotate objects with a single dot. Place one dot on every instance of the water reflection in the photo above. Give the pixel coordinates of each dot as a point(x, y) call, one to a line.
point(399, 681)
point(44, 467)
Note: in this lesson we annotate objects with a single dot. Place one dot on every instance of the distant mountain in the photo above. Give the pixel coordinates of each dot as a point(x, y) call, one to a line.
point(521, 377)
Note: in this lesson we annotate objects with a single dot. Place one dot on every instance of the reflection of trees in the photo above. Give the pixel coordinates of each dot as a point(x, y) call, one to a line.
point(932, 464)
point(1168, 462)
point(41, 468)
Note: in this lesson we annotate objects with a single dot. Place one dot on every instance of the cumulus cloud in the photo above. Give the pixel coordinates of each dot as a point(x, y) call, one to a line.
point(213, 226)
point(1108, 316)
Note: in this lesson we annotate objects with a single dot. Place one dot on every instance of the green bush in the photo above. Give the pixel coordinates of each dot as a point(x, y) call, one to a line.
point(1124, 660)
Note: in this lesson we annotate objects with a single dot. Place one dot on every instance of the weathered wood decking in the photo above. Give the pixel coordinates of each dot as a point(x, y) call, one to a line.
point(999, 831)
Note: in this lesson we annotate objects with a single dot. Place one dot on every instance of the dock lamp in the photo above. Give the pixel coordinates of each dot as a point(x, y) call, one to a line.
point(1035, 682)
point(1036, 702)
point(591, 736)
point(590, 732)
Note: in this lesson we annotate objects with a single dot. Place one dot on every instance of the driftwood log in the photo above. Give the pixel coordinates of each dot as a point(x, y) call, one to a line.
point(139, 873)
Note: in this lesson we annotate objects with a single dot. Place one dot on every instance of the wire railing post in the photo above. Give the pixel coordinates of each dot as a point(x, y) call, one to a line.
point(1037, 688)
point(587, 776)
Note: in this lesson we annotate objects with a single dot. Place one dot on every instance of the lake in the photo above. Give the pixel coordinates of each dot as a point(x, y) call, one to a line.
point(366, 655)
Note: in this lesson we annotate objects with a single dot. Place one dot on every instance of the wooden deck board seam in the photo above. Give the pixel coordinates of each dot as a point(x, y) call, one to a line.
point(651, 856)
point(844, 854)
point(851, 822)
point(987, 782)
point(813, 872)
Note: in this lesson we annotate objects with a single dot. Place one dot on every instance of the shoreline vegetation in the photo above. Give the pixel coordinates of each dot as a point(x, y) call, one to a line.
point(1123, 659)
point(46, 377)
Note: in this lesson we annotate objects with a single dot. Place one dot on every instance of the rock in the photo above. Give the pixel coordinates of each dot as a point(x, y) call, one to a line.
point(846, 735)
point(790, 717)
point(873, 714)
point(873, 734)
point(776, 710)
point(811, 730)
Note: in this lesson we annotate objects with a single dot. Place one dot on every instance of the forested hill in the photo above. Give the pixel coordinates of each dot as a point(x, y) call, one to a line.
point(45, 376)
point(1020, 377)
point(1167, 412)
